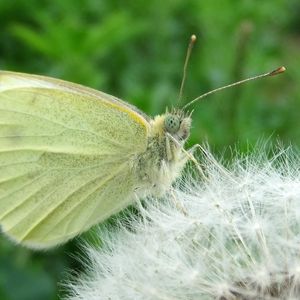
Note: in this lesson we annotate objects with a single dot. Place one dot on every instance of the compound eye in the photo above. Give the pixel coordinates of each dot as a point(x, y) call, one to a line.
point(172, 124)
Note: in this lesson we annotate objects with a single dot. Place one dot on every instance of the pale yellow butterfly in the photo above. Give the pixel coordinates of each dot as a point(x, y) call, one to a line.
point(71, 156)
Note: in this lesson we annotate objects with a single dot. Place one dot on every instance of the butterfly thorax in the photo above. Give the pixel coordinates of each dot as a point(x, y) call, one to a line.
point(164, 158)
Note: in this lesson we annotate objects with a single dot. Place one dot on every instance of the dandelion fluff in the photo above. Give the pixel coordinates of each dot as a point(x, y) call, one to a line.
point(233, 235)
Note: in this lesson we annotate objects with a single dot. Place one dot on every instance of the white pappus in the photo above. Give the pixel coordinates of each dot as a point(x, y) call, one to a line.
point(233, 235)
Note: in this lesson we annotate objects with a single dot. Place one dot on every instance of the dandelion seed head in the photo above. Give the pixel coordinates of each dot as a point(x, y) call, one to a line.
point(233, 236)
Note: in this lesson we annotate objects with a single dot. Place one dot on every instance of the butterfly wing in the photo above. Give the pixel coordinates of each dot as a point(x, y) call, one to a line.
point(66, 157)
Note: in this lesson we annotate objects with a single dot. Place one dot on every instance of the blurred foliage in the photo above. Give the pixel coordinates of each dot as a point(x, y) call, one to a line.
point(135, 50)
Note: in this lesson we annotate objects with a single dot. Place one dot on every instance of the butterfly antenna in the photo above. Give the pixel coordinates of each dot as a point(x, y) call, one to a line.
point(272, 73)
point(187, 58)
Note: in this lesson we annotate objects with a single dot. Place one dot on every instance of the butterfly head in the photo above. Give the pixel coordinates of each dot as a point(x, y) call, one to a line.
point(177, 124)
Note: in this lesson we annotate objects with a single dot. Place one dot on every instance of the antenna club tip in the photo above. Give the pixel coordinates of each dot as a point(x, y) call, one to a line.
point(281, 69)
point(277, 71)
point(193, 38)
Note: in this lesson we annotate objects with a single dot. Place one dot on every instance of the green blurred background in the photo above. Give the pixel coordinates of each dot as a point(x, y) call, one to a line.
point(135, 50)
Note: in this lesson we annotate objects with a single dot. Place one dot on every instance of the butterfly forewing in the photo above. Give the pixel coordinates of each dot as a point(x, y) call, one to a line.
point(65, 157)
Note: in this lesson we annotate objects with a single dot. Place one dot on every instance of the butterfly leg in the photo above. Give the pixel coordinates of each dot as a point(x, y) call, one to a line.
point(190, 156)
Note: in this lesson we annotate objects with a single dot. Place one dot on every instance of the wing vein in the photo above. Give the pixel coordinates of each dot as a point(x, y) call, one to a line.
point(64, 199)
point(66, 127)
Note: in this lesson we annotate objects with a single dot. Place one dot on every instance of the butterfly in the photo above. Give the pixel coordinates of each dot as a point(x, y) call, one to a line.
point(71, 156)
